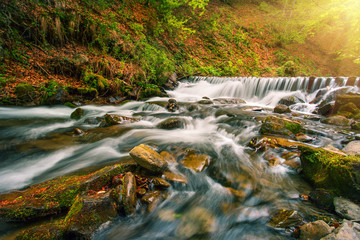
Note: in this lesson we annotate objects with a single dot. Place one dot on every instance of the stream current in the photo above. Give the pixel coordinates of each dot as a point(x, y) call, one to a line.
point(36, 145)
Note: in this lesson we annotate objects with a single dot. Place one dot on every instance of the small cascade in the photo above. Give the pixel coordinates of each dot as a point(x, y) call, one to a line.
point(255, 89)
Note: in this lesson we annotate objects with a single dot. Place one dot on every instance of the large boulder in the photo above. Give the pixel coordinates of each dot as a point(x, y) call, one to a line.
point(332, 171)
point(77, 114)
point(196, 162)
point(87, 214)
point(342, 103)
point(148, 158)
point(325, 109)
point(314, 230)
point(347, 209)
point(337, 120)
point(347, 230)
point(281, 126)
point(352, 148)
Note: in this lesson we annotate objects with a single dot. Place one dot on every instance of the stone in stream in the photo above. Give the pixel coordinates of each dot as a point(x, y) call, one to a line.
point(173, 177)
point(342, 103)
point(205, 102)
point(303, 138)
point(283, 218)
point(337, 120)
point(332, 171)
point(347, 230)
point(172, 105)
point(352, 148)
point(281, 126)
point(57, 194)
point(229, 101)
point(347, 209)
point(129, 193)
point(322, 199)
point(152, 199)
point(314, 230)
point(196, 162)
point(326, 109)
point(77, 114)
point(87, 214)
point(148, 158)
point(282, 109)
point(168, 157)
point(161, 183)
point(290, 100)
point(113, 119)
point(196, 221)
point(172, 123)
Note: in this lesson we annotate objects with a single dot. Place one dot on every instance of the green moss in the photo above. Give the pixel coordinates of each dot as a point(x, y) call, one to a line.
point(293, 127)
point(332, 171)
point(75, 209)
point(95, 80)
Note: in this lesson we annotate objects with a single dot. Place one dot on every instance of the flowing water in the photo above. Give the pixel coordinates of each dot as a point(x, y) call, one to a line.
point(36, 144)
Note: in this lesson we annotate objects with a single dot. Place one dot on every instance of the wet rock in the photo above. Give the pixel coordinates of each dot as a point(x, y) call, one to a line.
point(87, 214)
point(205, 102)
point(273, 161)
point(54, 196)
point(293, 163)
point(78, 131)
point(93, 120)
point(290, 100)
point(353, 148)
point(192, 107)
point(161, 183)
point(50, 230)
point(117, 195)
point(97, 134)
point(77, 114)
point(152, 199)
point(331, 171)
point(141, 191)
point(326, 109)
point(148, 158)
point(303, 138)
point(282, 109)
point(349, 102)
point(129, 193)
point(196, 221)
point(173, 177)
point(172, 123)
point(168, 157)
point(347, 230)
point(322, 199)
point(116, 99)
point(112, 119)
point(283, 218)
point(337, 120)
point(282, 126)
point(172, 105)
point(229, 101)
point(347, 209)
point(196, 162)
point(332, 149)
point(314, 230)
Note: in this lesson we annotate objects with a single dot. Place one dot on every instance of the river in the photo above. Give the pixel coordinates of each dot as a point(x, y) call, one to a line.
point(36, 144)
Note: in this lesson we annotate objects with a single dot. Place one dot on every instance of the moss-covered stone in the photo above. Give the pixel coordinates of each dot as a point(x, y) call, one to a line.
point(77, 114)
point(87, 214)
point(53, 230)
point(24, 91)
point(348, 103)
point(172, 123)
point(57, 195)
point(338, 173)
point(281, 126)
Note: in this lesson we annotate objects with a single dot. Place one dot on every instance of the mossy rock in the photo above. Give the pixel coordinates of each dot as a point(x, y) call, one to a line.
point(152, 92)
point(57, 195)
point(52, 230)
point(77, 114)
point(172, 123)
point(24, 91)
point(87, 214)
point(88, 92)
point(281, 126)
point(348, 102)
point(335, 172)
